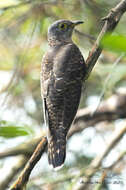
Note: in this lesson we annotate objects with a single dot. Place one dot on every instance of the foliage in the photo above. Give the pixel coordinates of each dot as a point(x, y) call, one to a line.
point(9, 130)
point(115, 42)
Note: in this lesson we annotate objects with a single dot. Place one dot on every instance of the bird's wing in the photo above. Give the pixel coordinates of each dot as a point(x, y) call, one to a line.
point(68, 66)
point(60, 68)
point(46, 69)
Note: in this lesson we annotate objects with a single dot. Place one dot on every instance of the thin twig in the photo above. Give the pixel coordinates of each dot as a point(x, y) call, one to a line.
point(120, 157)
point(107, 81)
point(25, 149)
point(5, 88)
point(90, 37)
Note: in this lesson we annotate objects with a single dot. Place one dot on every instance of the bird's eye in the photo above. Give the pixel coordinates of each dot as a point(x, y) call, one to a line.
point(62, 26)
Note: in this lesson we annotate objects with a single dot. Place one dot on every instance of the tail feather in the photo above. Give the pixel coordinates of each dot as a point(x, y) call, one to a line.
point(56, 152)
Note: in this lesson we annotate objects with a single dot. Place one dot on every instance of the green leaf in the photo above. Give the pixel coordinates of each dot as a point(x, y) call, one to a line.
point(11, 131)
point(116, 43)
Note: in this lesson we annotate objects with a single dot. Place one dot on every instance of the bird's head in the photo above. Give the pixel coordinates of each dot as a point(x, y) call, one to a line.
point(61, 30)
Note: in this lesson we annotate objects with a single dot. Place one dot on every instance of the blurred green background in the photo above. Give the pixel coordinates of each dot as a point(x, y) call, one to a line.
point(23, 41)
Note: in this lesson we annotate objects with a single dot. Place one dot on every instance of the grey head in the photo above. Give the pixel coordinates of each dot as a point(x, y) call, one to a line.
point(61, 31)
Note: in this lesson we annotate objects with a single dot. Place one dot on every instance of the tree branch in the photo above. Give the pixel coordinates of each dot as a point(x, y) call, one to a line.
point(109, 110)
point(111, 21)
point(23, 178)
point(25, 149)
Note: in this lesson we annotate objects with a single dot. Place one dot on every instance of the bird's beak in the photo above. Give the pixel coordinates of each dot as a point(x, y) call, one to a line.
point(77, 22)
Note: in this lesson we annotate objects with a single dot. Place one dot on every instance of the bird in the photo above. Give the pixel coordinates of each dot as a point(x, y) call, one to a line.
point(62, 72)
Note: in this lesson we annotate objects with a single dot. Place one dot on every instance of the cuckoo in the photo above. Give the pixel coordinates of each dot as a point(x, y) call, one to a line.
point(62, 73)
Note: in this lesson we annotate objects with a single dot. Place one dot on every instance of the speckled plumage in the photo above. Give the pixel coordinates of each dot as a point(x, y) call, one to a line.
point(63, 69)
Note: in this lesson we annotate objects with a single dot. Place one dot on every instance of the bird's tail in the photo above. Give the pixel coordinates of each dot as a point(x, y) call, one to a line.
point(56, 151)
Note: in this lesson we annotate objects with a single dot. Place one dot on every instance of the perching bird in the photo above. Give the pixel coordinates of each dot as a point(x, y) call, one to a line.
point(63, 70)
